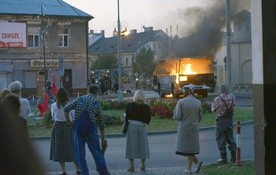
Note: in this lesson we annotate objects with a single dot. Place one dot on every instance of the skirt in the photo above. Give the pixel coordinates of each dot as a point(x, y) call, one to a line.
point(62, 144)
point(137, 146)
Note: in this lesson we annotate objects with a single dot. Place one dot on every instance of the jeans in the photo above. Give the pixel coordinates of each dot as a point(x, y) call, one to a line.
point(92, 139)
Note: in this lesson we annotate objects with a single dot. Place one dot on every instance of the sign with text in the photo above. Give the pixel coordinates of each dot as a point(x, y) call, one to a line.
point(12, 35)
point(49, 63)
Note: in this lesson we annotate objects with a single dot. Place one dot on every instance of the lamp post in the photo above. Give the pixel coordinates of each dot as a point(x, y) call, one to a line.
point(120, 92)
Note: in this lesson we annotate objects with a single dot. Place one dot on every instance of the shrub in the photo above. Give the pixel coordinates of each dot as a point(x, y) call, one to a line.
point(47, 119)
point(163, 109)
point(106, 104)
point(111, 120)
point(206, 107)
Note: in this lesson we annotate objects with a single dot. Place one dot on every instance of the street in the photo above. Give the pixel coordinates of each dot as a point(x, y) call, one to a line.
point(162, 147)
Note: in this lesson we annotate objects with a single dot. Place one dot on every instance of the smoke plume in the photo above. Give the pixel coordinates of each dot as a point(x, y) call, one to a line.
point(205, 36)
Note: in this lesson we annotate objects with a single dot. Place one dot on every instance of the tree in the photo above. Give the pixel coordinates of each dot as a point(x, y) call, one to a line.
point(108, 61)
point(143, 63)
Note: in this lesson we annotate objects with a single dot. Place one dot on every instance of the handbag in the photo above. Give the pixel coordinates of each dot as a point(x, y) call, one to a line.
point(124, 127)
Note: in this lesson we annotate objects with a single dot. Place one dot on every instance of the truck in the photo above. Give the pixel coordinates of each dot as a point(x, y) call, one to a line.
point(172, 75)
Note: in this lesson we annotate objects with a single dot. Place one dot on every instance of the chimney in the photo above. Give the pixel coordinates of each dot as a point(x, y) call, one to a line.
point(102, 32)
point(115, 33)
point(133, 31)
point(148, 29)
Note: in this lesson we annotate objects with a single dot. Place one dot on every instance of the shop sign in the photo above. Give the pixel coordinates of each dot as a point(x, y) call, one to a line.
point(49, 63)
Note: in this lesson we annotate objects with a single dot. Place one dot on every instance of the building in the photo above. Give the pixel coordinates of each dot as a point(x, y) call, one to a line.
point(43, 36)
point(131, 44)
point(241, 61)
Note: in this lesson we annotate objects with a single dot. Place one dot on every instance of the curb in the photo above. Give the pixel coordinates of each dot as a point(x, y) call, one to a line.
point(115, 135)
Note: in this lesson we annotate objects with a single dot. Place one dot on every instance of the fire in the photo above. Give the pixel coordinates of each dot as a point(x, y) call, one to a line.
point(188, 69)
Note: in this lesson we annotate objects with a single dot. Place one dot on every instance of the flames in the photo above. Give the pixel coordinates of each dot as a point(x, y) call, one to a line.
point(185, 66)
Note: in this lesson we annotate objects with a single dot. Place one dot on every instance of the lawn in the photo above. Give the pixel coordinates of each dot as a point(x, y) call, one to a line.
point(245, 168)
point(241, 114)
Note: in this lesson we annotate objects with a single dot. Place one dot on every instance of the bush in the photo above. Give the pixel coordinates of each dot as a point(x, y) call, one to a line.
point(206, 107)
point(111, 120)
point(47, 119)
point(163, 109)
point(109, 105)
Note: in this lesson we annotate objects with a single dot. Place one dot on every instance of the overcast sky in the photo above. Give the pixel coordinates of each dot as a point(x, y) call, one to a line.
point(135, 13)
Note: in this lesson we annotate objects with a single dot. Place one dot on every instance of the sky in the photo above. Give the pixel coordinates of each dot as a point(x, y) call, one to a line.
point(134, 14)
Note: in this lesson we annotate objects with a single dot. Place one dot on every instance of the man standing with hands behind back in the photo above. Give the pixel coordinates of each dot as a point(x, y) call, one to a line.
point(224, 124)
point(87, 112)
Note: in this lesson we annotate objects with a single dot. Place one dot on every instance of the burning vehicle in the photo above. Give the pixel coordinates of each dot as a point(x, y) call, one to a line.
point(172, 75)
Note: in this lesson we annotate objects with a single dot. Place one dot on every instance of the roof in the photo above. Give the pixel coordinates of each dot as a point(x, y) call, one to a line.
point(131, 42)
point(41, 7)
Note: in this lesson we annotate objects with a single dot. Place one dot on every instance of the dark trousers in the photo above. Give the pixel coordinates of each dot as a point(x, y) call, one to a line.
point(92, 139)
point(224, 134)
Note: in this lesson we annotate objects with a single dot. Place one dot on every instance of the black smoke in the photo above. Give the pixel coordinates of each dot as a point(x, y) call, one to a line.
point(206, 36)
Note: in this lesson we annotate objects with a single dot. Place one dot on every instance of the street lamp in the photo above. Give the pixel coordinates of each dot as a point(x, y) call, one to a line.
point(120, 92)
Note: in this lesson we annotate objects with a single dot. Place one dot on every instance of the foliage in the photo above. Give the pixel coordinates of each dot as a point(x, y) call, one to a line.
point(47, 119)
point(163, 109)
point(112, 120)
point(139, 66)
point(110, 105)
point(108, 61)
point(206, 107)
point(156, 124)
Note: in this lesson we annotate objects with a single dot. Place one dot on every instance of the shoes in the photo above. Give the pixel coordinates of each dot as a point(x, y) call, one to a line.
point(198, 166)
point(143, 168)
point(63, 173)
point(188, 171)
point(130, 169)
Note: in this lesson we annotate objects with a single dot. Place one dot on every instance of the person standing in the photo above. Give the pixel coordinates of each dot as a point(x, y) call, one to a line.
point(188, 113)
point(62, 145)
point(25, 108)
point(11, 105)
point(224, 125)
point(88, 114)
point(137, 114)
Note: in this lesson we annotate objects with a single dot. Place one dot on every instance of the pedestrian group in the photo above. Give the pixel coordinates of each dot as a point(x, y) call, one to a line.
point(76, 124)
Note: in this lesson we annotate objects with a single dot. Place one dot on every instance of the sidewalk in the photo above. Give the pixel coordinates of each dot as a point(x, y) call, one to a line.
point(149, 171)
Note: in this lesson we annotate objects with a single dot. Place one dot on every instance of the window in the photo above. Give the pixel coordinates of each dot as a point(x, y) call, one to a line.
point(63, 37)
point(33, 40)
point(126, 62)
point(33, 36)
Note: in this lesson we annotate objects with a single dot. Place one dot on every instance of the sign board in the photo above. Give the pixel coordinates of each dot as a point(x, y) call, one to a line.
point(49, 63)
point(12, 35)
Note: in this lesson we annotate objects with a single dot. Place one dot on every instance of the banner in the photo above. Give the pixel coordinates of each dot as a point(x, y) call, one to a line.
point(12, 35)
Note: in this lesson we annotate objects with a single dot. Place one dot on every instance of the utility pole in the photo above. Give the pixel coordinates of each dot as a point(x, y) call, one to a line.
point(43, 44)
point(228, 32)
point(120, 92)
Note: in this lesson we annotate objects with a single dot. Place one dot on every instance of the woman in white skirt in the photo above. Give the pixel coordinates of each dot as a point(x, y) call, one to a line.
point(62, 145)
point(137, 114)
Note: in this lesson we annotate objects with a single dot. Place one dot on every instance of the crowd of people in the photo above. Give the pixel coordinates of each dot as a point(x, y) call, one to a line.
point(77, 122)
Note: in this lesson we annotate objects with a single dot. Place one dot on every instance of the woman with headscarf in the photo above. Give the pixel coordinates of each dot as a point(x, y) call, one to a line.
point(137, 114)
point(224, 124)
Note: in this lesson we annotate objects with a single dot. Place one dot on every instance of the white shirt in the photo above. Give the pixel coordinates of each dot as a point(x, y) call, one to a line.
point(25, 108)
point(58, 114)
